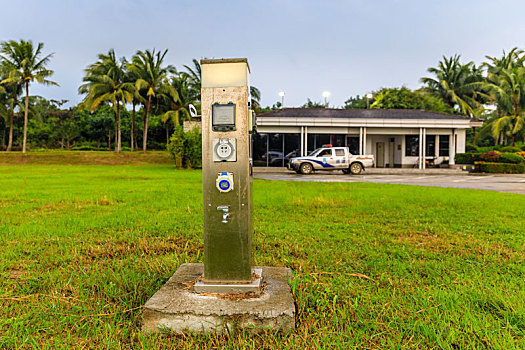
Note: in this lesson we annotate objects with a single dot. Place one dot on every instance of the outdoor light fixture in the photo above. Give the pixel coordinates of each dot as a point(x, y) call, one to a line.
point(281, 95)
point(368, 98)
point(326, 94)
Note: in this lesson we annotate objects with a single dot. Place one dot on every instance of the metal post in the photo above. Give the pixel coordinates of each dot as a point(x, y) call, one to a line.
point(226, 180)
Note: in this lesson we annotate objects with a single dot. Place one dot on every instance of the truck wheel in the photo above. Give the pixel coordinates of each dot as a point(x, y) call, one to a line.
point(356, 168)
point(306, 168)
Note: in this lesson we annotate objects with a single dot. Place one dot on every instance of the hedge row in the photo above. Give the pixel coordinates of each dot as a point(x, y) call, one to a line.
point(489, 157)
point(504, 168)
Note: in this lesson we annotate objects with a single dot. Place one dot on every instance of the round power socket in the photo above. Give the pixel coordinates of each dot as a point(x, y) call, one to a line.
point(224, 150)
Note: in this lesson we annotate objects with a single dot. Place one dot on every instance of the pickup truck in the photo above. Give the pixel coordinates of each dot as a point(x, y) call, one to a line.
point(331, 158)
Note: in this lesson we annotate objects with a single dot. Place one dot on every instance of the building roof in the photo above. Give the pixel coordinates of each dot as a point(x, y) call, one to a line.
point(359, 113)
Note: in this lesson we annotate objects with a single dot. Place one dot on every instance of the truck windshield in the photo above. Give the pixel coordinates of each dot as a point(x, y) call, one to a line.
point(315, 152)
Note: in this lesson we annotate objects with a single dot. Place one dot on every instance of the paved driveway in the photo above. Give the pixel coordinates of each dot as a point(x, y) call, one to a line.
point(501, 183)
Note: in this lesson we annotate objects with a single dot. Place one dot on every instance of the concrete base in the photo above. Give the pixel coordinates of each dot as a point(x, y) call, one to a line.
point(176, 307)
point(225, 288)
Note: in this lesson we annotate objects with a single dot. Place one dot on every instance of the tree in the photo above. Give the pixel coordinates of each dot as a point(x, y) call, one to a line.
point(358, 102)
point(25, 64)
point(195, 75)
point(10, 101)
point(457, 84)
point(187, 94)
point(152, 80)
point(256, 98)
point(510, 60)
point(313, 104)
point(404, 98)
point(506, 89)
point(105, 82)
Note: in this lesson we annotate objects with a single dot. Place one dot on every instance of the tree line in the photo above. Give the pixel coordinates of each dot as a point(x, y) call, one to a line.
point(145, 84)
point(142, 100)
point(493, 91)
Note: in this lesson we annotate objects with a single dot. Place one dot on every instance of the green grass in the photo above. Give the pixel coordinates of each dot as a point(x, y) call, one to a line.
point(376, 266)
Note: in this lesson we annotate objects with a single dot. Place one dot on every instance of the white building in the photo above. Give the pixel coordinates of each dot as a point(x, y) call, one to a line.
point(397, 138)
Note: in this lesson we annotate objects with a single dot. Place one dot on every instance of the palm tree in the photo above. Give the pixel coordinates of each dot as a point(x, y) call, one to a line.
point(25, 64)
point(195, 75)
point(457, 84)
point(10, 93)
point(506, 89)
point(256, 98)
point(131, 77)
point(153, 81)
point(187, 93)
point(512, 59)
point(105, 82)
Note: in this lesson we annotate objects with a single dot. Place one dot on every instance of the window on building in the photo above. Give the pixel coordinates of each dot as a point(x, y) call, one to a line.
point(412, 145)
point(338, 140)
point(444, 148)
point(259, 149)
point(430, 149)
point(292, 147)
point(353, 144)
point(275, 150)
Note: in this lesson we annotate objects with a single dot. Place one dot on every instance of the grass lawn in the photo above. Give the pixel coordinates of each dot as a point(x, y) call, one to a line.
point(376, 265)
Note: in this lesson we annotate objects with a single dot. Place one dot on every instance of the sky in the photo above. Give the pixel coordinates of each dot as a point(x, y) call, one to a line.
point(301, 47)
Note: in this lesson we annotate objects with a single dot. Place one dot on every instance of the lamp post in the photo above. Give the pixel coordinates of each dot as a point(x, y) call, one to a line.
point(368, 98)
point(326, 94)
point(281, 94)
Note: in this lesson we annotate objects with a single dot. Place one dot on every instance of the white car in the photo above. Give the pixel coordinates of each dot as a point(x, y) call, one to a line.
point(331, 158)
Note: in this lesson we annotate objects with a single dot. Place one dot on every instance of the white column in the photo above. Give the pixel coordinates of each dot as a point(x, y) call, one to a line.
point(305, 141)
point(361, 140)
point(302, 141)
point(420, 165)
point(452, 148)
point(424, 140)
point(364, 141)
point(436, 154)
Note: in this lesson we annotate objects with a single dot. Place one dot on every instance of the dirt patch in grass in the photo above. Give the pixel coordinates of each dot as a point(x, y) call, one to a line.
point(85, 158)
point(456, 246)
point(144, 246)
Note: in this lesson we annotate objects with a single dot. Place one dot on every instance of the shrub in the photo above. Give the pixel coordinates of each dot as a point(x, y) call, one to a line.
point(467, 158)
point(470, 148)
point(491, 156)
point(521, 154)
point(511, 149)
point(504, 168)
point(511, 158)
point(83, 148)
point(186, 148)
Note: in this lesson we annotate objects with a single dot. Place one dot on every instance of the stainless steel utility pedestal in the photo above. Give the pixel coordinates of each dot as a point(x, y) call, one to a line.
point(227, 291)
